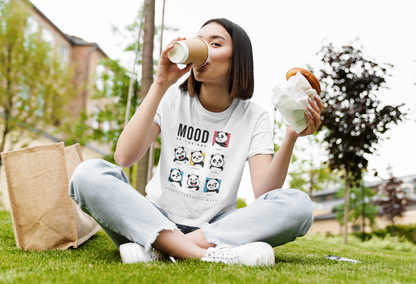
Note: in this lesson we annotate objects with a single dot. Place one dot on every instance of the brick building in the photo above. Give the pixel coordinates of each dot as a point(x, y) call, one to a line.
point(325, 201)
point(83, 57)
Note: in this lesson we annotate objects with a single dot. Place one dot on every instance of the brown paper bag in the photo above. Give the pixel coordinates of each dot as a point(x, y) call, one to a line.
point(44, 216)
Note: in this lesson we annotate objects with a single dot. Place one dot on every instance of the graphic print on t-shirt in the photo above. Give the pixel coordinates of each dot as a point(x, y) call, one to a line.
point(212, 185)
point(221, 138)
point(180, 155)
point(175, 176)
point(192, 135)
point(197, 158)
point(217, 162)
point(197, 154)
point(193, 182)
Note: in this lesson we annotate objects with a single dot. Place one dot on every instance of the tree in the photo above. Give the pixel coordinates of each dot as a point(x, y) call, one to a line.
point(391, 199)
point(308, 174)
point(147, 80)
point(309, 177)
point(353, 118)
point(114, 83)
point(280, 126)
point(359, 204)
point(34, 85)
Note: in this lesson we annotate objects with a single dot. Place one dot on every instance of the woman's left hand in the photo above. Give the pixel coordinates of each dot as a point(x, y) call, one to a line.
point(314, 118)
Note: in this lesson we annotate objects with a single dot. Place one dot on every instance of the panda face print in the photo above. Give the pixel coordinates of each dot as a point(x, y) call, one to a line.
point(197, 158)
point(193, 182)
point(217, 162)
point(221, 138)
point(175, 176)
point(180, 155)
point(212, 185)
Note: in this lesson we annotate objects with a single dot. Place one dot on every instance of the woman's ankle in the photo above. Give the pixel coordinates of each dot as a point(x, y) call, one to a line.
point(198, 238)
point(176, 244)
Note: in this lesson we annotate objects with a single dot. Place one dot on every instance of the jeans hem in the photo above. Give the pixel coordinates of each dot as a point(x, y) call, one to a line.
point(208, 236)
point(148, 245)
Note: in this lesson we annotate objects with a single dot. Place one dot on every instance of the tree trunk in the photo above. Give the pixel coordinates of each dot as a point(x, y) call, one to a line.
point(147, 80)
point(8, 108)
point(141, 175)
point(134, 106)
point(363, 213)
point(393, 231)
point(346, 198)
point(3, 142)
point(312, 183)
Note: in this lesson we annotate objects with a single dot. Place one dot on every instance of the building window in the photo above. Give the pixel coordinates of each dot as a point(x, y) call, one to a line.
point(63, 52)
point(32, 26)
point(109, 82)
point(47, 36)
point(104, 126)
point(99, 81)
point(104, 80)
point(95, 123)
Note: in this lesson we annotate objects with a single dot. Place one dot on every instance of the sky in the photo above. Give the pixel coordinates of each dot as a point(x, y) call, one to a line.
point(284, 34)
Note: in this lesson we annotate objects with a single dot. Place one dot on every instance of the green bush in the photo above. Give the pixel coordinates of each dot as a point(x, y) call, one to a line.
point(379, 233)
point(403, 231)
point(407, 231)
point(399, 244)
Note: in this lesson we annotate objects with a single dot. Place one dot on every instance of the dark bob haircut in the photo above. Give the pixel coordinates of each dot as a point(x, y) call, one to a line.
point(241, 74)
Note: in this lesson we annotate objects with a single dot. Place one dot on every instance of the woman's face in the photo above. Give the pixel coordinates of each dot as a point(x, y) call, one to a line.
point(217, 69)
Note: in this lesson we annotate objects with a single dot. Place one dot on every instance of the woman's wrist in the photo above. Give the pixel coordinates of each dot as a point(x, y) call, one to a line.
point(160, 88)
point(291, 136)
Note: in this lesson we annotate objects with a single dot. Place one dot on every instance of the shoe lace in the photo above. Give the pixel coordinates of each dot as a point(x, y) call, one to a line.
point(156, 254)
point(223, 254)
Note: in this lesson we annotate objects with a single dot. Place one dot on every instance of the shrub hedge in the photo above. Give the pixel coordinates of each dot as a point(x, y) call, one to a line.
point(406, 231)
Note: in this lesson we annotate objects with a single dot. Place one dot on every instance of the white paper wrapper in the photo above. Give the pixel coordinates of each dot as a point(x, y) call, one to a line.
point(291, 99)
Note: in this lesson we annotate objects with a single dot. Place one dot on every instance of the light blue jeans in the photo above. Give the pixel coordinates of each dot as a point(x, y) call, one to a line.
point(103, 191)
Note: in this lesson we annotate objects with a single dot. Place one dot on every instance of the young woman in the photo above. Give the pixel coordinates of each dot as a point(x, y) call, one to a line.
point(209, 128)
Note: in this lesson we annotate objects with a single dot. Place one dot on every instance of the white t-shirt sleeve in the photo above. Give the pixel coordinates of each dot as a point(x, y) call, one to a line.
point(262, 138)
point(158, 115)
point(164, 103)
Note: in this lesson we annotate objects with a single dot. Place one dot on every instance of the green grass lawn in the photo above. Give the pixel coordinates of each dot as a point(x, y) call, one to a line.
point(98, 261)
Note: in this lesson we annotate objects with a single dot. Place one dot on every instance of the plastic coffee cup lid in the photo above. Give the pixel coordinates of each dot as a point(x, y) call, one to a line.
point(180, 53)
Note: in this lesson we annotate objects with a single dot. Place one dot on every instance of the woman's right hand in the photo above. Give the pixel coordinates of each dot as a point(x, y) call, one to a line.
point(168, 73)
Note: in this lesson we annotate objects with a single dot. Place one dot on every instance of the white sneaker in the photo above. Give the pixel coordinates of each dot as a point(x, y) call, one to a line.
point(133, 253)
point(251, 254)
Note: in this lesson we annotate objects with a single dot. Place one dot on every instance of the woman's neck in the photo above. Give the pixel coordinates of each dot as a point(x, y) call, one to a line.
point(215, 98)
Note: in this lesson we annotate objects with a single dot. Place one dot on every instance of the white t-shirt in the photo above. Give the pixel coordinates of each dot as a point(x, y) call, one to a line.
point(203, 155)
